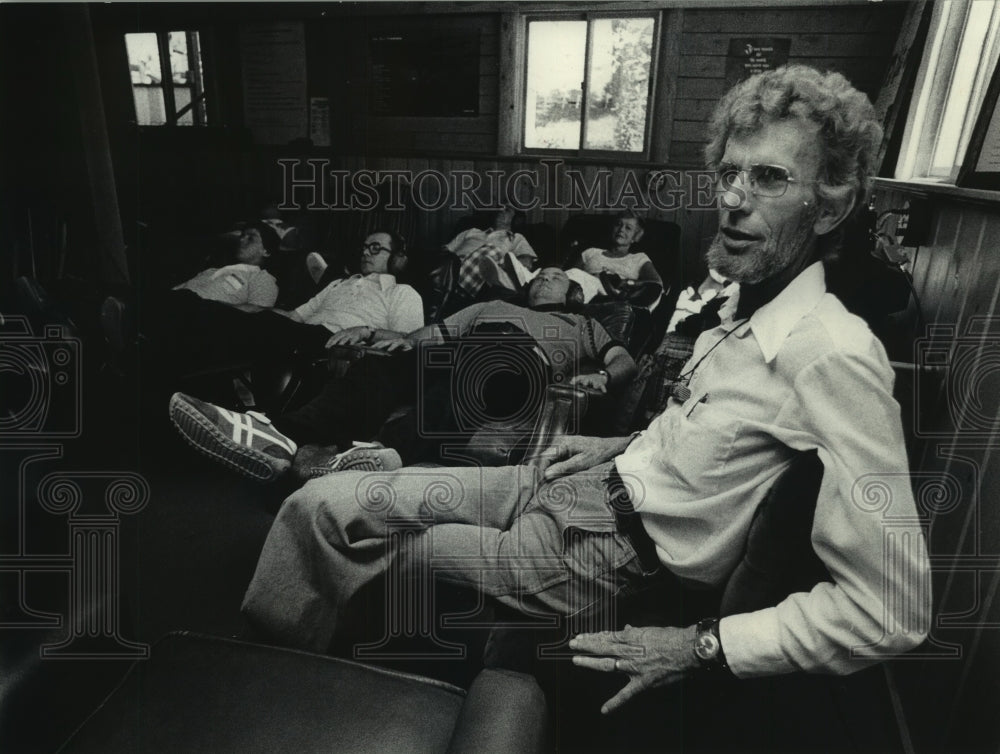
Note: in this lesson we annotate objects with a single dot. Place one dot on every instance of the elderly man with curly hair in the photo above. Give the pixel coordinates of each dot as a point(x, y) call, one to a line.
point(787, 370)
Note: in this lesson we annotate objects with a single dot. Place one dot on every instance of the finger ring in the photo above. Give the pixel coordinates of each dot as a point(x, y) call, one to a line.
point(618, 666)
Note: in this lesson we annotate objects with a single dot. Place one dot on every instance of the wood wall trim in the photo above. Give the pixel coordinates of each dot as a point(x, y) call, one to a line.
point(511, 116)
point(665, 96)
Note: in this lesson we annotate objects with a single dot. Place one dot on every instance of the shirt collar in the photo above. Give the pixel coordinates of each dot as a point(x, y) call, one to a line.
point(772, 323)
point(548, 308)
point(383, 280)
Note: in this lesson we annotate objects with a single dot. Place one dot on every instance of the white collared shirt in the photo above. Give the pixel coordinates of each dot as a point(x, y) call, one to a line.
point(802, 374)
point(234, 284)
point(374, 300)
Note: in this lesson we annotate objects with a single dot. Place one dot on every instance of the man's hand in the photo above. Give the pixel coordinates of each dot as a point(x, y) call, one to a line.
point(350, 336)
point(598, 382)
point(652, 657)
point(392, 345)
point(573, 453)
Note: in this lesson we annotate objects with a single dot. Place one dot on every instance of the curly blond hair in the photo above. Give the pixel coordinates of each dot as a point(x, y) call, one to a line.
point(848, 130)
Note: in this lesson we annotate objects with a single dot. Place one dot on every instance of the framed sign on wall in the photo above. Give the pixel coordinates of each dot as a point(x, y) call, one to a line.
point(981, 166)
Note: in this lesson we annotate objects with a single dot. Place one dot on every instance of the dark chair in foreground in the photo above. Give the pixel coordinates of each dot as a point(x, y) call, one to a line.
point(200, 693)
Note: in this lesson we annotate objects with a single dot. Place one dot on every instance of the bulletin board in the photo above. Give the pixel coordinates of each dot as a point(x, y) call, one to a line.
point(273, 60)
point(424, 74)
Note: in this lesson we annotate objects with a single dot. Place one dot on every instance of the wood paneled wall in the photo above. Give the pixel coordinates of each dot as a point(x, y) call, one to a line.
point(948, 689)
point(224, 176)
point(856, 41)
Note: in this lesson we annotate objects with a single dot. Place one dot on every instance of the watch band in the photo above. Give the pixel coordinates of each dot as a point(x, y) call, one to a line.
point(708, 645)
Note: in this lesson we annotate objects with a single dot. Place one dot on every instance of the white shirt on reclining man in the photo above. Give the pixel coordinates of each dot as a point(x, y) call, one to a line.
point(369, 300)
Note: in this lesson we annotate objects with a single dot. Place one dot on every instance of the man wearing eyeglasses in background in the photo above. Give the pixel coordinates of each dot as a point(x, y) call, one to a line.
point(345, 311)
point(350, 308)
point(787, 370)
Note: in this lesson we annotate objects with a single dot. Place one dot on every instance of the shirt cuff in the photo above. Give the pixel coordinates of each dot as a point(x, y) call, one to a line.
point(752, 646)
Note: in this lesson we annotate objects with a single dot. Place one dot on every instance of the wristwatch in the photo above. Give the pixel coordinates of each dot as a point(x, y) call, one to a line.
point(708, 645)
point(607, 375)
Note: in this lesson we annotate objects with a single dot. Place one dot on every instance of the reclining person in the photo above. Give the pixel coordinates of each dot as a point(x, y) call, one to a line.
point(371, 299)
point(500, 239)
point(481, 265)
point(619, 261)
point(544, 344)
point(246, 283)
point(787, 370)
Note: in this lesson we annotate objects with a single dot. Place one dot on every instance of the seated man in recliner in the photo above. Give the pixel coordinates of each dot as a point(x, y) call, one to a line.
point(524, 348)
point(787, 370)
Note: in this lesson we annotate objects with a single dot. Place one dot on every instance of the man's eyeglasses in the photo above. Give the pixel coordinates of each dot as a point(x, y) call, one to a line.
point(763, 180)
point(375, 248)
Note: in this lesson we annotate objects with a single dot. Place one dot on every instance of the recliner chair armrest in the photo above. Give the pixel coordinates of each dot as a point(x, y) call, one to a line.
point(504, 711)
point(339, 358)
point(565, 406)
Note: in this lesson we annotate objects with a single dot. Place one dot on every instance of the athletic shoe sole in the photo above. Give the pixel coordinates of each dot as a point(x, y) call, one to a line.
point(361, 459)
point(205, 437)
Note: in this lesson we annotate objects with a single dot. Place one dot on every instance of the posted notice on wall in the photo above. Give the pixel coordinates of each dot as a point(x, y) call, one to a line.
point(319, 121)
point(275, 105)
point(749, 56)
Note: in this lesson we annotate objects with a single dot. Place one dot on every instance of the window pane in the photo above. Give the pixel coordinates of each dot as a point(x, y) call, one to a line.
point(182, 98)
point(149, 109)
point(556, 54)
point(143, 58)
point(959, 105)
point(618, 84)
point(179, 68)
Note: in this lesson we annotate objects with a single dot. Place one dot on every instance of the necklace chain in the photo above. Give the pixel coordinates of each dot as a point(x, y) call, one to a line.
point(681, 391)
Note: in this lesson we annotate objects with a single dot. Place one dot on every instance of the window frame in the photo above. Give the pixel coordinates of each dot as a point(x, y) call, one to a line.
point(202, 116)
point(932, 88)
point(581, 152)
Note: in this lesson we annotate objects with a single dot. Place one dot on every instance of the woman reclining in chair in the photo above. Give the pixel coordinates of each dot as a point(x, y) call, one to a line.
point(617, 270)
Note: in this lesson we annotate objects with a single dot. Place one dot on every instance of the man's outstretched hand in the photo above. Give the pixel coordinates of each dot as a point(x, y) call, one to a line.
point(392, 345)
point(350, 336)
point(573, 453)
point(652, 657)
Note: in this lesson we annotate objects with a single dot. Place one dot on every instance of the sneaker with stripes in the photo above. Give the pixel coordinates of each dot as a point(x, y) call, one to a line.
point(363, 456)
point(246, 443)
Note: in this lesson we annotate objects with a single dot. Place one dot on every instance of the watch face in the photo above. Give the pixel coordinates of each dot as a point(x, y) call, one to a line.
point(706, 646)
